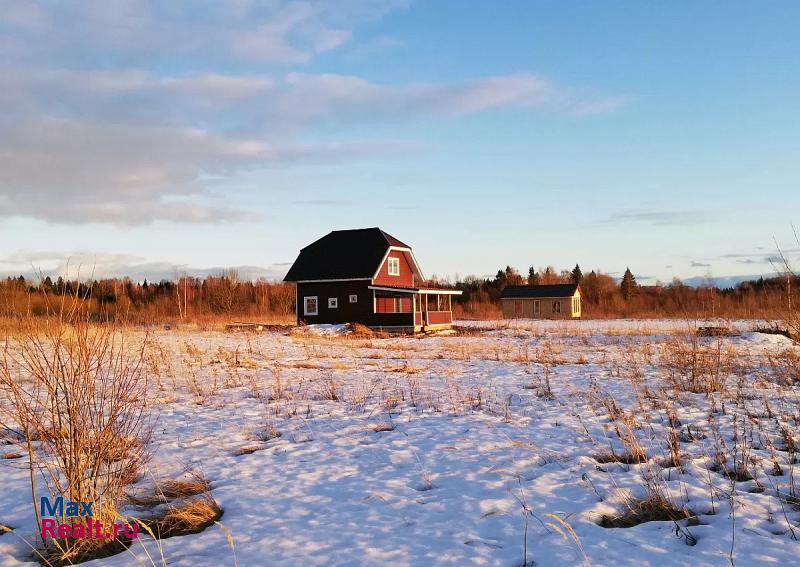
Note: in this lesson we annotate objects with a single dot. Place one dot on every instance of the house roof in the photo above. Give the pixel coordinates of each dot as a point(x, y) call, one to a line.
point(343, 254)
point(552, 290)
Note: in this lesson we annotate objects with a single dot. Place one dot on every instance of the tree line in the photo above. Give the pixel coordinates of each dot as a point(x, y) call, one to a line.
point(603, 296)
point(226, 295)
point(186, 298)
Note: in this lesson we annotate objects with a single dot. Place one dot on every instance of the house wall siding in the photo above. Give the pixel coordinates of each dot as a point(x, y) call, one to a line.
point(406, 277)
point(545, 308)
point(359, 312)
point(346, 312)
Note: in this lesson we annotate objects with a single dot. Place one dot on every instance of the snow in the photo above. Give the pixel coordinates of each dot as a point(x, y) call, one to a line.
point(427, 451)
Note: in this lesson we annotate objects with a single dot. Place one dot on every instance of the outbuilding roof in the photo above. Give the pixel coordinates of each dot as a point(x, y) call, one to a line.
point(551, 290)
point(343, 254)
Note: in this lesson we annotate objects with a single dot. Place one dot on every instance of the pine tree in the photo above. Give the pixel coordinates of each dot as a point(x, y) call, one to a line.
point(577, 275)
point(533, 277)
point(628, 284)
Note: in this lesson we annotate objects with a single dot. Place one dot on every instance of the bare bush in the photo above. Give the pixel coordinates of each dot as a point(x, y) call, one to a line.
point(73, 394)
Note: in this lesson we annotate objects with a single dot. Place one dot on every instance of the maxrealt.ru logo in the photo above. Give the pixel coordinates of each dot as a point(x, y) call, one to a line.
point(86, 528)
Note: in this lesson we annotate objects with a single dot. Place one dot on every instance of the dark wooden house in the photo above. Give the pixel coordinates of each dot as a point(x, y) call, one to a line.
point(366, 276)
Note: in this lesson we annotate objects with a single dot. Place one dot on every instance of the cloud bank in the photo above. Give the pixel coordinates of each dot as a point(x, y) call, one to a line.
point(120, 111)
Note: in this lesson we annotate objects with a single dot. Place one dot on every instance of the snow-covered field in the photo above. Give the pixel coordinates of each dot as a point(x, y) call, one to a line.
point(507, 443)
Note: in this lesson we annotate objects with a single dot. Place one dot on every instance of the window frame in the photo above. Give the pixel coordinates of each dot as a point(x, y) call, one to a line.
point(353, 298)
point(557, 306)
point(537, 308)
point(306, 312)
point(393, 261)
point(333, 303)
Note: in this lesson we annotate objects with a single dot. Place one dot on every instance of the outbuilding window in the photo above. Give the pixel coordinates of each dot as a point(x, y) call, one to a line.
point(556, 307)
point(310, 306)
point(333, 302)
point(536, 308)
point(394, 266)
point(353, 298)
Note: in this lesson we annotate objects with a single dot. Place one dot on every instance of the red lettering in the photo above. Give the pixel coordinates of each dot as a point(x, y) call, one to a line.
point(48, 526)
point(64, 531)
point(134, 533)
point(79, 531)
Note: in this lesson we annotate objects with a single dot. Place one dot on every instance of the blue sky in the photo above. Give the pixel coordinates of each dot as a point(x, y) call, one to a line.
point(141, 137)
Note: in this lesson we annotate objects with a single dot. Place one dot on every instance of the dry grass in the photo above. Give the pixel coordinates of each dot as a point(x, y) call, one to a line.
point(246, 450)
point(82, 550)
point(622, 458)
point(650, 509)
point(184, 488)
point(167, 490)
point(189, 516)
point(75, 394)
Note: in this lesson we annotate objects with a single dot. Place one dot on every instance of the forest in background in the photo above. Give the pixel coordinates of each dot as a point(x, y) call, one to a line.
point(227, 296)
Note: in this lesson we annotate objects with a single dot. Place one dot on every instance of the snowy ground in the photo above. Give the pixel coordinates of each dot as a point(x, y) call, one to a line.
point(439, 450)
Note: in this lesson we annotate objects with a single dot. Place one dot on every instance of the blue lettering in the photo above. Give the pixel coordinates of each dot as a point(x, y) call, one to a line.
point(56, 509)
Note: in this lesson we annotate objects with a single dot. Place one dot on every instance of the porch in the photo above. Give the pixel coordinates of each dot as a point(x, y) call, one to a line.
point(413, 308)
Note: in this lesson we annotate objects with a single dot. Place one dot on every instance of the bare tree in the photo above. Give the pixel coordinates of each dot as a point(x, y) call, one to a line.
point(791, 319)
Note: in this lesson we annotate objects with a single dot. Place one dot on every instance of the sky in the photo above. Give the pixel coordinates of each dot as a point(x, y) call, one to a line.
point(149, 138)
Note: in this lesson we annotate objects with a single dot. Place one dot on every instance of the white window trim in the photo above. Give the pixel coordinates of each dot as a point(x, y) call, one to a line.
point(305, 304)
point(415, 269)
point(333, 303)
point(353, 298)
point(536, 307)
point(557, 306)
point(393, 261)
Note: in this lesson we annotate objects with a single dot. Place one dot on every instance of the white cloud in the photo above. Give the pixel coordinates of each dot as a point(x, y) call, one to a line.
point(83, 265)
point(93, 129)
point(658, 218)
point(273, 31)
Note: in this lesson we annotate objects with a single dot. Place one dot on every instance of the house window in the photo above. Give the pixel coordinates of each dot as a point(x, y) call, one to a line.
point(353, 298)
point(517, 308)
point(333, 302)
point(556, 307)
point(536, 308)
point(394, 266)
point(310, 305)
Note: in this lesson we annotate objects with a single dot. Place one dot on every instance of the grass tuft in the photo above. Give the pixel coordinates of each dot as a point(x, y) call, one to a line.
point(651, 509)
point(189, 516)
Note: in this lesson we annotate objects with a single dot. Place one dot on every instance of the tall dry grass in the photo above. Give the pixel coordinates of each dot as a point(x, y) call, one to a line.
point(72, 398)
